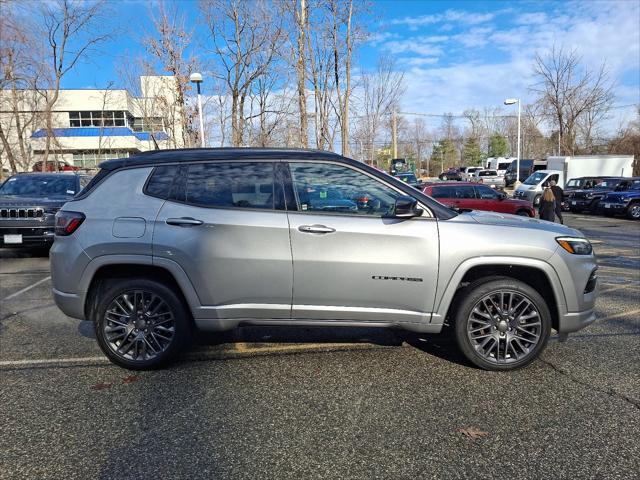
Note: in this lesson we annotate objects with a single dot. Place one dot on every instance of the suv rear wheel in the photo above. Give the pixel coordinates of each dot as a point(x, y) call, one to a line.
point(140, 324)
point(502, 324)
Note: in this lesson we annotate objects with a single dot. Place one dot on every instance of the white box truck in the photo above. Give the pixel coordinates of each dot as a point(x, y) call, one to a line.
point(563, 169)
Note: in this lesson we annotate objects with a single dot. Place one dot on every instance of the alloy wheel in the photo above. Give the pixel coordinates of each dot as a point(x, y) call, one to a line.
point(634, 211)
point(504, 327)
point(138, 325)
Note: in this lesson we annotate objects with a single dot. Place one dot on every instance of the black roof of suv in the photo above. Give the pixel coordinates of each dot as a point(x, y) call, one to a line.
point(155, 157)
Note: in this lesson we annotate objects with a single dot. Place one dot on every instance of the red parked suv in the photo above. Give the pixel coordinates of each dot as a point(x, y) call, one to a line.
point(477, 197)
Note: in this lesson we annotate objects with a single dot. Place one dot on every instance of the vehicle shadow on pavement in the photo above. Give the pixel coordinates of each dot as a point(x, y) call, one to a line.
point(23, 252)
point(440, 345)
point(262, 336)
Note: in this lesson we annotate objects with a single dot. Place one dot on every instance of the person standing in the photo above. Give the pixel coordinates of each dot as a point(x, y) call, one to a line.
point(547, 207)
point(559, 194)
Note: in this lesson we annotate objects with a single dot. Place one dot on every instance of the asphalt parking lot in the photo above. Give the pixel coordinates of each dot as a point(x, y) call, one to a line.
point(321, 403)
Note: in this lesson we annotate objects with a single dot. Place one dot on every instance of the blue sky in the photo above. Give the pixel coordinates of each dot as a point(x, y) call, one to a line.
point(455, 54)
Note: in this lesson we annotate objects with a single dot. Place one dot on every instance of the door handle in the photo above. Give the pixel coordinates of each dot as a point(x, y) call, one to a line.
point(316, 229)
point(184, 222)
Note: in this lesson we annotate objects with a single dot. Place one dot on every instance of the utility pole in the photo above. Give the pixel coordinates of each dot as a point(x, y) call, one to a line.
point(394, 133)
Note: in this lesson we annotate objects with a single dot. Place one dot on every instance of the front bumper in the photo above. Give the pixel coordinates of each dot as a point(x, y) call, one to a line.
point(581, 204)
point(611, 207)
point(572, 322)
point(30, 235)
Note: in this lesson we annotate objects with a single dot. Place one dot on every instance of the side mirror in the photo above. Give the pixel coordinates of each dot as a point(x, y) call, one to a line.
point(406, 207)
point(502, 196)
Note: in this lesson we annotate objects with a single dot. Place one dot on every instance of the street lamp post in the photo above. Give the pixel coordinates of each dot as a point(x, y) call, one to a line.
point(197, 79)
point(511, 101)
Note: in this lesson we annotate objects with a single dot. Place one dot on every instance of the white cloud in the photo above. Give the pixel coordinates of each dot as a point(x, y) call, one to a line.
point(450, 16)
point(598, 31)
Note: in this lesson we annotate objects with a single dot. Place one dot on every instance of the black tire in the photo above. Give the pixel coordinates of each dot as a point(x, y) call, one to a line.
point(472, 295)
point(633, 211)
point(523, 213)
point(181, 321)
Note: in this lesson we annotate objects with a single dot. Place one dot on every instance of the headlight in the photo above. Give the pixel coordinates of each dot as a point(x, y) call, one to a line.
point(575, 245)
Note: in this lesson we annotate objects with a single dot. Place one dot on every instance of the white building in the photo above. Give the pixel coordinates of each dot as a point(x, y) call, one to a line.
point(90, 126)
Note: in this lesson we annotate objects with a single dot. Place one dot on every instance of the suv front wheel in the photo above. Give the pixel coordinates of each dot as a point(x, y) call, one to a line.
point(502, 323)
point(140, 324)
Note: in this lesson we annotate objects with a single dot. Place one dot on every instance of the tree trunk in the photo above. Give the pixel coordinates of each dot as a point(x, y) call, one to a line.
point(301, 20)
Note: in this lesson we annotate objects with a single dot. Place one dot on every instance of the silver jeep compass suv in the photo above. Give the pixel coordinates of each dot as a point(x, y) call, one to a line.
point(165, 242)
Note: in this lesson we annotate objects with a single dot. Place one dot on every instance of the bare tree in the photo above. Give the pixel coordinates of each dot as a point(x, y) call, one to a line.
point(21, 67)
point(342, 36)
point(381, 89)
point(245, 39)
point(72, 29)
point(302, 25)
point(168, 45)
point(321, 75)
point(570, 94)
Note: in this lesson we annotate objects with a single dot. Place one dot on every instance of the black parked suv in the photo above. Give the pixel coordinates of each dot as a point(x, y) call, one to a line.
point(28, 204)
point(589, 199)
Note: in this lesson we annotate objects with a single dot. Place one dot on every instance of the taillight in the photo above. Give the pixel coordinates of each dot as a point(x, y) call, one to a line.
point(68, 222)
point(481, 181)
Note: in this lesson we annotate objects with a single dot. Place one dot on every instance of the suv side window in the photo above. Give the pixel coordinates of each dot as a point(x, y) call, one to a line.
point(486, 193)
point(161, 180)
point(230, 185)
point(464, 192)
point(326, 187)
point(442, 192)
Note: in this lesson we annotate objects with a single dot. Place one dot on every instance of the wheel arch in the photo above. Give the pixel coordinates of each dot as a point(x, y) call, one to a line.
point(110, 267)
point(538, 274)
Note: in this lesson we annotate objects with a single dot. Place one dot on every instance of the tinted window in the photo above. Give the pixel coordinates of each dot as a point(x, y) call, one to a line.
point(487, 173)
point(443, 192)
point(464, 192)
point(230, 185)
point(338, 189)
point(48, 186)
point(486, 193)
point(161, 181)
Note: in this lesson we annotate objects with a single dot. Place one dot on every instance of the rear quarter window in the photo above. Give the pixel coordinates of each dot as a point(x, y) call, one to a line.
point(161, 181)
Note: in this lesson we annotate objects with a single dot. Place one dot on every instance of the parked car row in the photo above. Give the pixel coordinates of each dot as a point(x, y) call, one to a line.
point(622, 196)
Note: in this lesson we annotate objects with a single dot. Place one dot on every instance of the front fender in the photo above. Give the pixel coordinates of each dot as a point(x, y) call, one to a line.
point(445, 293)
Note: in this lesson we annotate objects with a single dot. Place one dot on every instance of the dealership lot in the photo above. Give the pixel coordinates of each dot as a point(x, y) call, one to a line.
point(321, 403)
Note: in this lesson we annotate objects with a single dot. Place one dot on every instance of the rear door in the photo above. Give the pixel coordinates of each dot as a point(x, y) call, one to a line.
point(465, 197)
point(225, 224)
point(349, 261)
point(488, 199)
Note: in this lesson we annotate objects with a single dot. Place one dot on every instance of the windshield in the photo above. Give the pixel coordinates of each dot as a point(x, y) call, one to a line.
point(61, 186)
point(407, 177)
point(535, 179)
point(574, 183)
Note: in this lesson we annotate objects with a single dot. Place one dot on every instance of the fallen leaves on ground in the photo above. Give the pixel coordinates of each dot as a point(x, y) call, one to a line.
point(131, 379)
point(101, 386)
point(473, 432)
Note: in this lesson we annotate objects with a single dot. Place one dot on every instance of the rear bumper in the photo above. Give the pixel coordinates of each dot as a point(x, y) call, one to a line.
point(71, 304)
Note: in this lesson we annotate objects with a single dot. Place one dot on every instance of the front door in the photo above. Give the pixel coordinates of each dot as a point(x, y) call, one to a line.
point(225, 224)
point(352, 262)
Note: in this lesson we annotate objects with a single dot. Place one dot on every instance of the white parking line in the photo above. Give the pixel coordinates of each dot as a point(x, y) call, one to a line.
point(26, 289)
point(51, 361)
